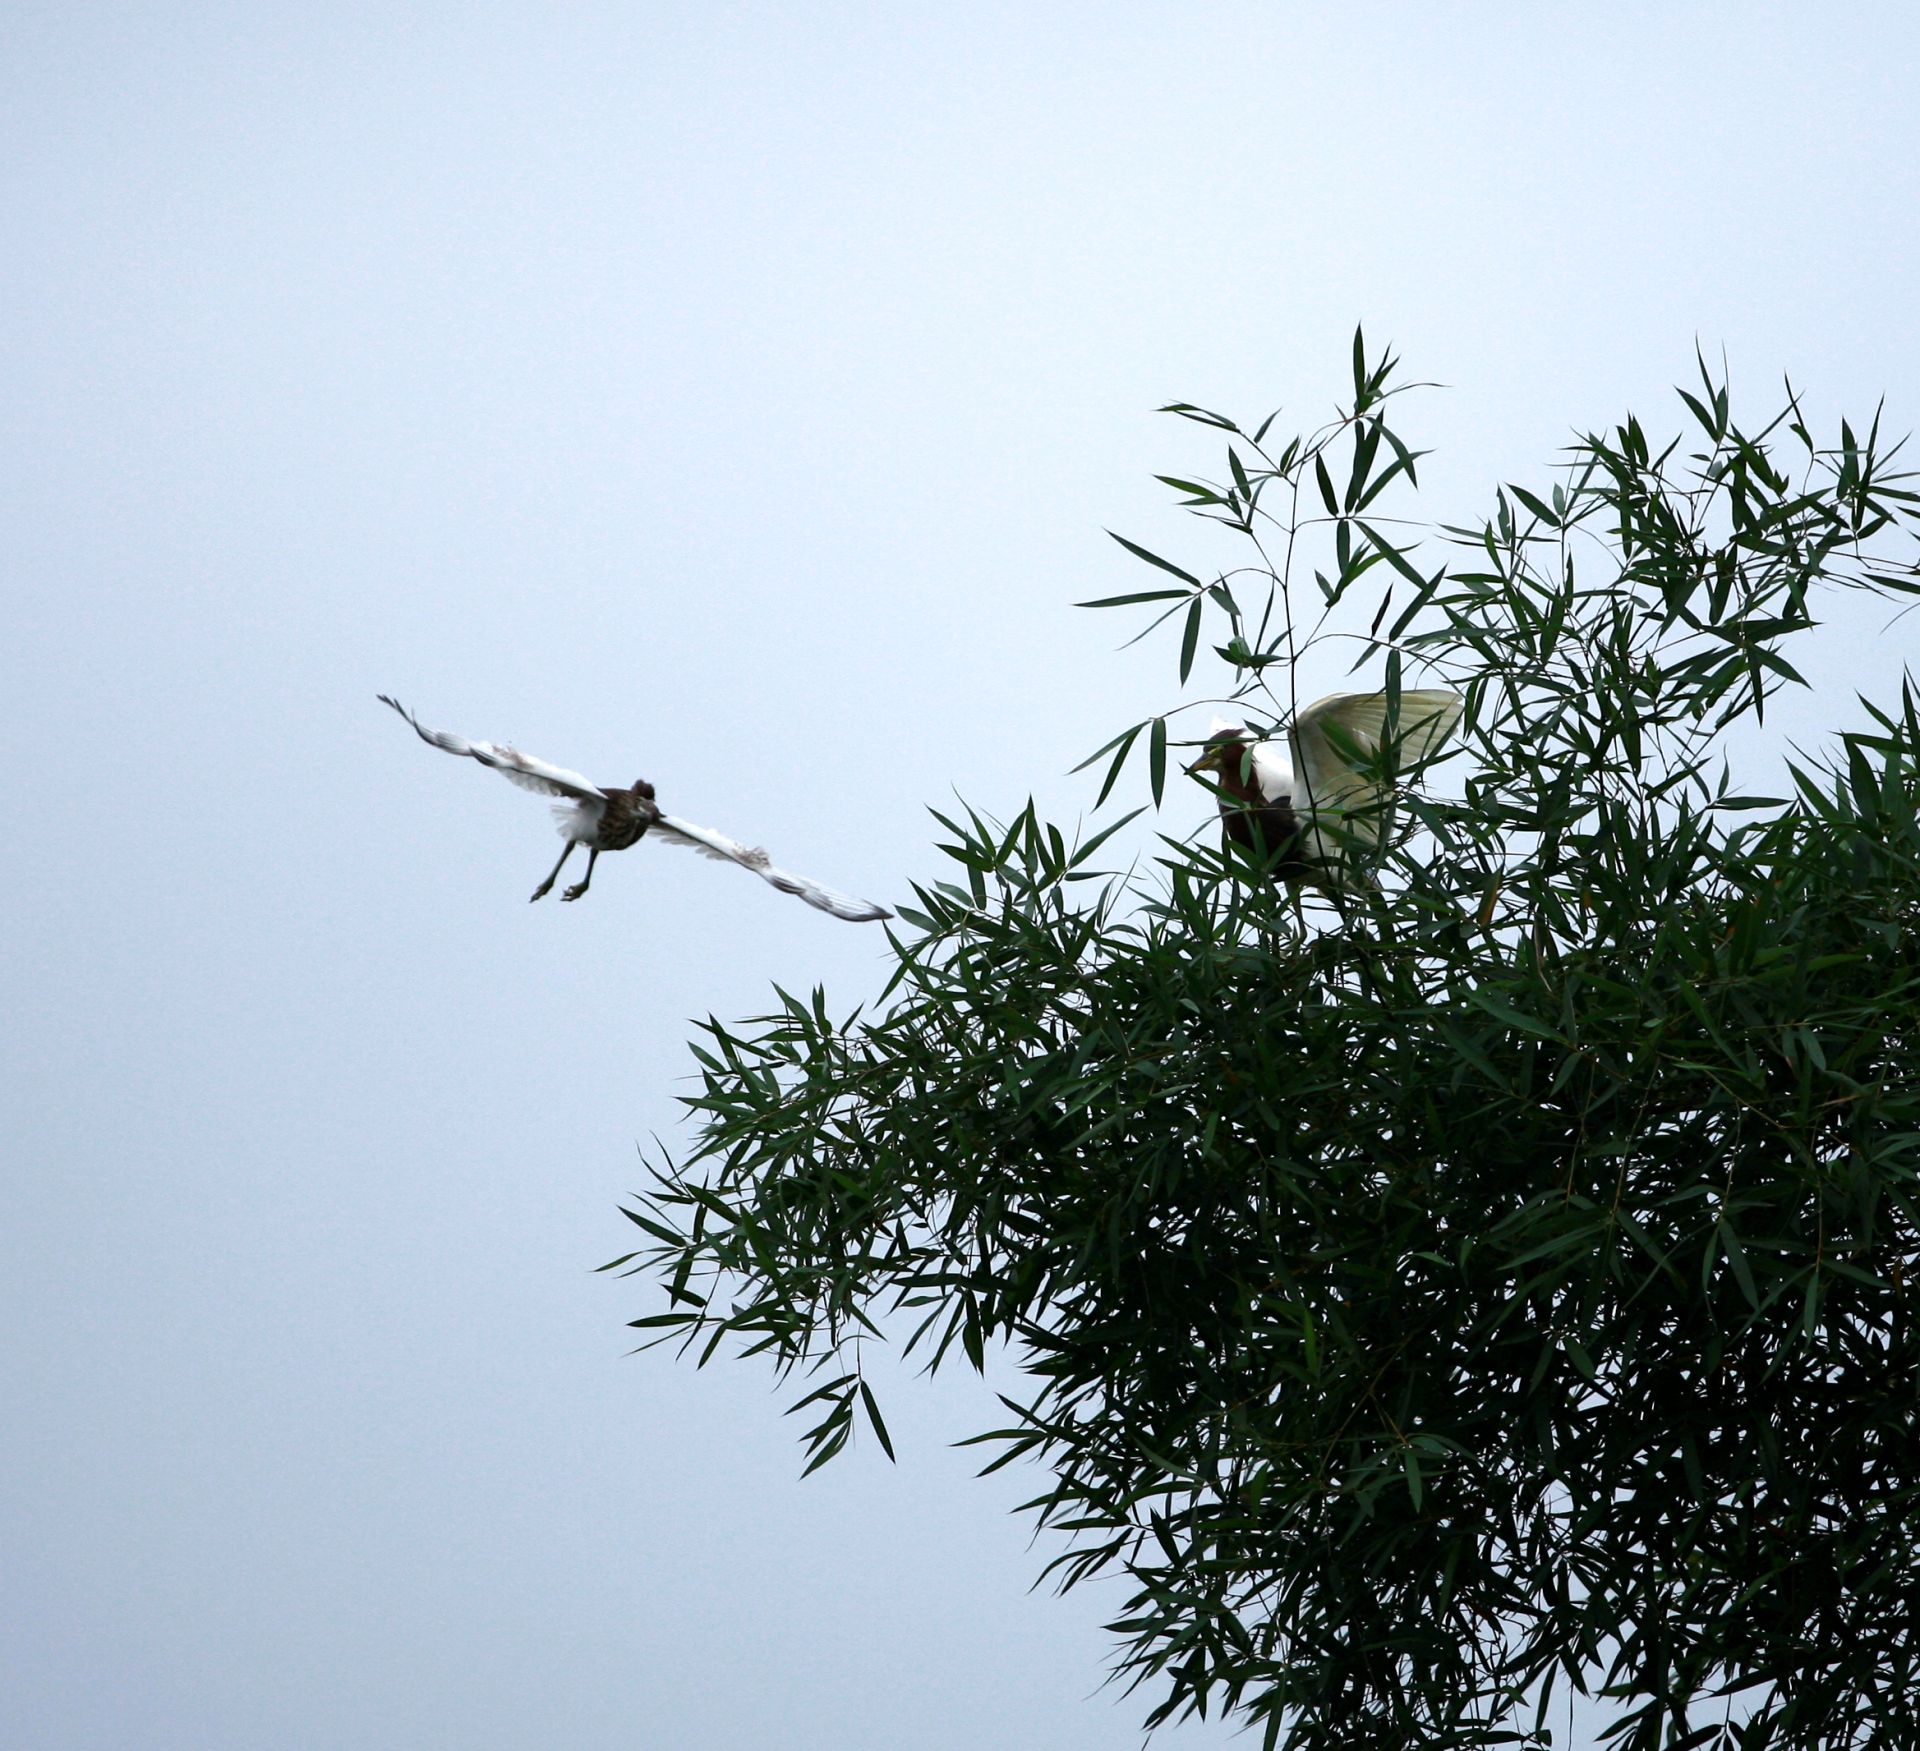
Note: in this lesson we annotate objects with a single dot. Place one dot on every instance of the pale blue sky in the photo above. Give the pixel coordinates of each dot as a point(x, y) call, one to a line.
point(734, 395)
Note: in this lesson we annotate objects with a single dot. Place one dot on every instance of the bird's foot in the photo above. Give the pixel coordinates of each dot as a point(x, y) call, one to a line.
point(540, 892)
point(574, 892)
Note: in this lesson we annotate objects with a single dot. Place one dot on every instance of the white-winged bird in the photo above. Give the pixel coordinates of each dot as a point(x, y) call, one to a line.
point(606, 819)
point(1306, 818)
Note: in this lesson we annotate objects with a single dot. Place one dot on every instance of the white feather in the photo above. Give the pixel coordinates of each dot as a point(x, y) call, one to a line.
point(1333, 791)
point(579, 821)
point(512, 765)
point(1272, 776)
point(674, 831)
point(1426, 717)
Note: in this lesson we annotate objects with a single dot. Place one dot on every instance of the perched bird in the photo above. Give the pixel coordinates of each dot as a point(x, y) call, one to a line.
point(1305, 818)
point(610, 820)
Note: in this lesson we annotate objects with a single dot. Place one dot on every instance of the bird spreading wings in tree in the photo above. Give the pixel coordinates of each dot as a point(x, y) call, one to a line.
point(1309, 816)
point(606, 819)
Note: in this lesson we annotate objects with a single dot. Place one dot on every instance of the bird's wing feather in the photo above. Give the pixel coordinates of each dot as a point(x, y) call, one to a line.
point(704, 839)
point(1427, 717)
point(521, 769)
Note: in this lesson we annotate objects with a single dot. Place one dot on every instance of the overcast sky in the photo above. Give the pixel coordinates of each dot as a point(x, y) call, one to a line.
point(733, 395)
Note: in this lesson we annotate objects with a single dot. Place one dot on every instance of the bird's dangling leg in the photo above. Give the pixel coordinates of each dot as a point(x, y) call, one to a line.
point(580, 887)
point(537, 892)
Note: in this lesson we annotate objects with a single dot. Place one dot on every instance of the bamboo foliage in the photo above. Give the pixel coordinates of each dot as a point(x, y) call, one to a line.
point(1494, 1283)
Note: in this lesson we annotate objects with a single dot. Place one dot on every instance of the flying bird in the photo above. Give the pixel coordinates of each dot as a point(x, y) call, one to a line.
point(606, 819)
point(1305, 817)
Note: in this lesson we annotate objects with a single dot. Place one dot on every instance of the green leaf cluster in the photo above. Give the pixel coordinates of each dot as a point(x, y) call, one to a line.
point(1492, 1283)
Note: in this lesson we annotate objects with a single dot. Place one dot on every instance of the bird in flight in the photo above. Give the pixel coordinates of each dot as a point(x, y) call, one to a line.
point(1307, 817)
point(604, 819)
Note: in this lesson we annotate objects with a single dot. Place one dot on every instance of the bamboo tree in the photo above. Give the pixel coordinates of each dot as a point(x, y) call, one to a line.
point(1496, 1281)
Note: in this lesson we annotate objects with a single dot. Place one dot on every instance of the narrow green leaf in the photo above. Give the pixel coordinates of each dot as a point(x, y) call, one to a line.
point(1325, 482)
point(1166, 565)
point(1191, 637)
point(874, 1419)
point(1127, 601)
point(1084, 851)
point(1393, 556)
point(1186, 410)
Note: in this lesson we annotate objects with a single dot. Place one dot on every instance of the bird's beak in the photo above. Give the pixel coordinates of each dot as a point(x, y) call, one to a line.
point(1208, 762)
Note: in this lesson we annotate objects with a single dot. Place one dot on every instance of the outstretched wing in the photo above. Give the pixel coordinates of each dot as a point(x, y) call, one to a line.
point(1328, 779)
point(521, 769)
point(705, 840)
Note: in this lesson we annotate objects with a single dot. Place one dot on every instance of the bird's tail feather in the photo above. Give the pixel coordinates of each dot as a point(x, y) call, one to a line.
point(577, 821)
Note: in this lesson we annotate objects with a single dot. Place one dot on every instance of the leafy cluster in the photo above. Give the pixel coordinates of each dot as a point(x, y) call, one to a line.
point(1492, 1283)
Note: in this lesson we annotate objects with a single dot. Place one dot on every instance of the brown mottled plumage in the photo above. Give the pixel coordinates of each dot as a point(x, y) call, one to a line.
point(1266, 827)
point(623, 821)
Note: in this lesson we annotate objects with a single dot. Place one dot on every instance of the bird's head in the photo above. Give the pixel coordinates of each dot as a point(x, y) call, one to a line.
point(1214, 758)
point(642, 788)
point(1222, 738)
point(1226, 749)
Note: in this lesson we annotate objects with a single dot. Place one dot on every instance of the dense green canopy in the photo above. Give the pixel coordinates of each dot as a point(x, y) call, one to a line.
point(1499, 1280)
